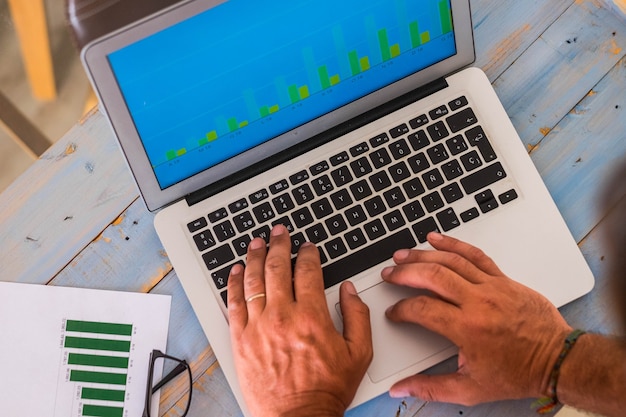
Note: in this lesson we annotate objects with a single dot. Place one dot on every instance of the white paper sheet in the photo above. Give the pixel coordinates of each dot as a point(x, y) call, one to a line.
point(69, 352)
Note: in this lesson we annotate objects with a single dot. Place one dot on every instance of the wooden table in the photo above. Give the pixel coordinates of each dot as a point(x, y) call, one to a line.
point(75, 218)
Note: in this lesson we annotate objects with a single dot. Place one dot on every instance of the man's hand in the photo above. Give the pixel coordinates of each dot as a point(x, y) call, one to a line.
point(508, 335)
point(290, 359)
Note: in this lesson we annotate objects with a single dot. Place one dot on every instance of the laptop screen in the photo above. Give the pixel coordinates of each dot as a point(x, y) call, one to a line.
point(237, 75)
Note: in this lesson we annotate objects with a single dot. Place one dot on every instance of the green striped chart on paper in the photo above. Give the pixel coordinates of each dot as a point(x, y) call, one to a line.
point(97, 356)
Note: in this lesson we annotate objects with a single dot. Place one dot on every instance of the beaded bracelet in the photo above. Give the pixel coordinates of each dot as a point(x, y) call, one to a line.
point(546, 405)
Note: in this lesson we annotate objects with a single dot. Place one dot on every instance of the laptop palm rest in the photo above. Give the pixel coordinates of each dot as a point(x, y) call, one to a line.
point(397, 346)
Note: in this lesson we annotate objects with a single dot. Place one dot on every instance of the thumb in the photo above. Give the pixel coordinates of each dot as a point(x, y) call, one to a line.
point(357, 330)
point(450, 388)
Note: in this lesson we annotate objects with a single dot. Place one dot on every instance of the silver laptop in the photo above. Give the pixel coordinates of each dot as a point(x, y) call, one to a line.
point(356, 124)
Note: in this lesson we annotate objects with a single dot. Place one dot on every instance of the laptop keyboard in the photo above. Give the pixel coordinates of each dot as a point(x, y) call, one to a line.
point(361, 205)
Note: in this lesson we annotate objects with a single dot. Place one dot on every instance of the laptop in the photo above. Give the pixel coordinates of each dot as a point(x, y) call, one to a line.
point(359, 125)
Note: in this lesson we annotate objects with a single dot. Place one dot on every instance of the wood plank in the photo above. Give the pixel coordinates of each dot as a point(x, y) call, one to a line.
point(29, 19)
point(62, 202)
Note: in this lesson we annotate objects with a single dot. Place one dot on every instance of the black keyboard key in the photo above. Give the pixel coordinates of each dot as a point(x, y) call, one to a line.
point(471, 161)
point(477, 137)
point(285, 221)
point(394, 220)
point(316, 233)
point(283, 203)
point(341, 176)
point(438, 154)
point(359, 149)
point(355, 238)
point(196, 225)
point(296, 242)
point(380, 181)
point(279, 187)
point(419, 163)
point(457, 145)
point(432, 202)
point(258, 196)
point(302, 194)
point(375, 206)
point(438, 131)
point(238, 206)
point(380, 158)
point(218, 257)
point(355, 215)
point(486, 201)
point(302, 217)
point(335, 248)
point(413, 188)
point(448, 220)
point(322, 185)
point(224, 231)
point(220, 278)
point(361, 167)
point(438, 112)
point(204, 240)
point(413, 211)
point(360, 190)
point(263, 212)
point(339, 159)
point(399, 149)
point(458, 103)
point(336, 224)
point(379, 140)
point(369, 256)
point(319, 168)
point(508, 196)
point(243, 221)
point(423, 228)
point(484, 196)
point(452, 169)
point(341, 199)
point(224, 295)
point(299, 177)
point(433, 179)
point(322, 208)
point(399, 172)
point(483, 178)
point(241, 244)
point(489, 205)
point(418, 140)
point(461, 120)
point(374, 229)
point(469, 215)
point(398, 131)
point(394, 197)
point(263, 233)
point(218, 215)
point(452, 192)
point(418, 121)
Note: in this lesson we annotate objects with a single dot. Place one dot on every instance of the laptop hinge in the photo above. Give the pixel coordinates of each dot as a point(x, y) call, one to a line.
point(316, 141)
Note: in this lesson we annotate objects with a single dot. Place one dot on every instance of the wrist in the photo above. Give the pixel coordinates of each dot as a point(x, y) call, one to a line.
point(308, 405)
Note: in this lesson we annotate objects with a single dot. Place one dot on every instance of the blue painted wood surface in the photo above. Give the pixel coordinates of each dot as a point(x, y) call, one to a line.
point(75, 218)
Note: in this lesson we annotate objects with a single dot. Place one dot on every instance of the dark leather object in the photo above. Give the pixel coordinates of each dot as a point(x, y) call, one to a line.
point(90, 19)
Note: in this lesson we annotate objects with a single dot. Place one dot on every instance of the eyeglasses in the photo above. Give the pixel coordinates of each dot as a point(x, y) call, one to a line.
point(163, 360)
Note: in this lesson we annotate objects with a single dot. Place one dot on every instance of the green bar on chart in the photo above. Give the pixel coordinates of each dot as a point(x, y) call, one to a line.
point(274, 108)
point(102, 411)
point(102, 394)
point(324, 77)
point(97, 360)
point(232, 124)
point(243, 124)
point(446, 17)
point(294, 96)
point(101, 328)
point(97, 377)
point(100, 344)
point(211, 136)
point(181, 152)
point(414, 30)
point(395, 50)
point(355, 65)
point(383, 41)
point(264, 111)
point(335, 79)
point(304, 92)
point(365, 63)
point(170, 155)
point(425, 37)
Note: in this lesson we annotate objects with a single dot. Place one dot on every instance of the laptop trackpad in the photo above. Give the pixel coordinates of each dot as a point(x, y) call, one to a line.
point(397, 345)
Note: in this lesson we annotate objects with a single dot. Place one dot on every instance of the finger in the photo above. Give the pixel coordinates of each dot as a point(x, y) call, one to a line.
point(357, 329)
point(254, 277)
point(431, 313)
point(467, 251)
point(451, 388)
point(237, 311)
point(278, 275)
point(308, 281)
point(433, 277)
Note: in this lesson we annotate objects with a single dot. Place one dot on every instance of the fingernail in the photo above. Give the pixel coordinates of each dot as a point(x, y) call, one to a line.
point(435, 236)
point(256, 244)
point(278, 230)
point(236, 269)
point(398, 393)
point(402, 254)
point(350, 288)
point(386, 272)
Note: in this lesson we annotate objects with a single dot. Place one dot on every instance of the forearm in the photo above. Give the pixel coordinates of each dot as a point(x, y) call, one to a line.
point(593, 376)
